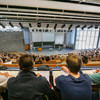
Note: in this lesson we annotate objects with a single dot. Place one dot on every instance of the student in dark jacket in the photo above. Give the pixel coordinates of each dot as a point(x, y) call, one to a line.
point(27, 85)
point(74, 86)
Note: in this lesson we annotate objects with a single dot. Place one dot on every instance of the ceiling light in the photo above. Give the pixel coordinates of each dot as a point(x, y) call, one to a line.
point(30, 25)
point(90, 26)
point(2, 25)
point(63, 26)
point(77, 26)
point(55, 26)
point(11, 24)
point(83, 27)
point(38, 24)
point(21, 25)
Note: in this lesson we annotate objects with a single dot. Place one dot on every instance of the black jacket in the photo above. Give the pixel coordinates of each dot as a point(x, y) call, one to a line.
point(26, 86)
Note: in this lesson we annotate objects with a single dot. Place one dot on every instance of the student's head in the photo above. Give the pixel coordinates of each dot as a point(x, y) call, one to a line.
point(42, 58)
point(47, 58)
point(1, 62)
point(85, 59)
point(63, 59)
point(26, 62)
point(74, 63)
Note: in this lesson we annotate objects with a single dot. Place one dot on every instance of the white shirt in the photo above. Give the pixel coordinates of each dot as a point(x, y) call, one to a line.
point(3, 80)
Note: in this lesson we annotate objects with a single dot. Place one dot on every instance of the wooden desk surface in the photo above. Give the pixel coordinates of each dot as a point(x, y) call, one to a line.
point(90, 63)
point(36, 65)
point(93, 63)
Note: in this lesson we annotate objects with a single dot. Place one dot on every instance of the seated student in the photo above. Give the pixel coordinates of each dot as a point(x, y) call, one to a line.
point(84, 60)
point(95, 78)
point(47, 59)
point(75, 86)
point(63, 60)
point(1, 65)
point(1, 62)
point(3, 83)
point(38, 61)
point(27, 85)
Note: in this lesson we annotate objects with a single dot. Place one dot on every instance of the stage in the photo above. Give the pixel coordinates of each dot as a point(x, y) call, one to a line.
point(47, 52)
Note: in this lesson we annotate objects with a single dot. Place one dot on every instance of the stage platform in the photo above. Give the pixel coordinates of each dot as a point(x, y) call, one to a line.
point(46, 51)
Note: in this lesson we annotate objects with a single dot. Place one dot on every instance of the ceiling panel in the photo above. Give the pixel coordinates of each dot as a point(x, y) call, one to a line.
point(45, 11)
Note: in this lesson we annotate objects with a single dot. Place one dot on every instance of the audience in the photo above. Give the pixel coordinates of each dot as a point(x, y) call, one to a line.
point(85, 59)
point(1, 62)
point(38, 61)
point(63, 60)
point(47, 58)
point(86, 54)
point(28, 85)
point(75, 86)
point(92, 54)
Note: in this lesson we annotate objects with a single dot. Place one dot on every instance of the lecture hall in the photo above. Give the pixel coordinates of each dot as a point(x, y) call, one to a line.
point(49, 49)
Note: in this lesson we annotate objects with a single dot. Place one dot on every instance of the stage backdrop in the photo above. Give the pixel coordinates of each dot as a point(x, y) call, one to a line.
point(48, 37)
point(59, 38)
point(11, 41)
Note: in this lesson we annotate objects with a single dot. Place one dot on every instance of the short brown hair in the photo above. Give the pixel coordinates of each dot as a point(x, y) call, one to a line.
point(85, 59)
point(74, 63)
point(26, 62)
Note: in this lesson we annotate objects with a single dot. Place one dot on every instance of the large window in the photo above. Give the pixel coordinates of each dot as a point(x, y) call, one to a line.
point(87, 38)
point(99, 44)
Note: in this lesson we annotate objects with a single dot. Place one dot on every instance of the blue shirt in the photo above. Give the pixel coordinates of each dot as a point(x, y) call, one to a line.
point(72, 88)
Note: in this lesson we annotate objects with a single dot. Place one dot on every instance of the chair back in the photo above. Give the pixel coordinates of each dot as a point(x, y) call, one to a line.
point(1, 89)
point(43, 67)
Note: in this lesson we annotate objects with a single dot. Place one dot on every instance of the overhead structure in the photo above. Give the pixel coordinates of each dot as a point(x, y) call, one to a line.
point(90, 26)
point(63, 26)
point(11, 24)
point(38, 24)
point(47, 26)
point(96, 26)
point(69, 11)
point(84, 27)
point(77, 26)
point(70, 27)
point(2, 25)
point(55, 26)
point(21, 25)
point(30, 25)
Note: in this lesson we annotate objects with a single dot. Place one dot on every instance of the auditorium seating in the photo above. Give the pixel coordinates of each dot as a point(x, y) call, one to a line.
point(50, 69)
point(51, 76)
point(43, 67)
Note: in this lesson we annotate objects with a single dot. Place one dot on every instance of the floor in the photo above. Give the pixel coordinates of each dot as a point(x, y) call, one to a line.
point(48, 52)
